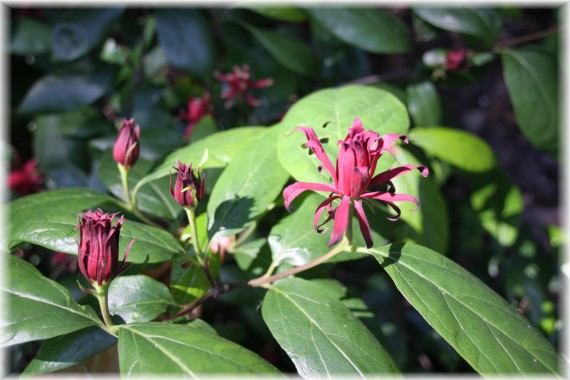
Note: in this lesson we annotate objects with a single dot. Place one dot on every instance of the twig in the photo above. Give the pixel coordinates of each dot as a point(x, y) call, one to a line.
point(527, 38)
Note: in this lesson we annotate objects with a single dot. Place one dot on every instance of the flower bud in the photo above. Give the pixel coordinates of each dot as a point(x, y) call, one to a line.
point(126, 148)
point(188, 188)
point(98, 250)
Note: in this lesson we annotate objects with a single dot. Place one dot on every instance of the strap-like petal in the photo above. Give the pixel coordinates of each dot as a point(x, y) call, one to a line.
point(292, 191)
point(395, 172)
point(315, 144)
point(390, 198)
point(326, 203)
point(363, 222)
point(340, 221)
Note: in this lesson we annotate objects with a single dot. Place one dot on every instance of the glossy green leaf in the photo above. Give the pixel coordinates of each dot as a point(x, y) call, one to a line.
point(154, 198)
point(188, 281)
point(320, 335)
point(373, 30)
point(69, 89)
point(49, 219)
point(138, 298)
point(29, 213)
point(80, 30)
point(424, 104)
point(36, 306)
point(281, 12)
point(166, 349)
point(186, 39)
point(292, 54)
point(492, 336)
point(378, 109)
point(68, 350)
point(248, 186)
point(429, 224)
point(459, 148)
point(294, 241)
point(30, 37)
point(532, 82)
point(220, 148)
point(483, 23)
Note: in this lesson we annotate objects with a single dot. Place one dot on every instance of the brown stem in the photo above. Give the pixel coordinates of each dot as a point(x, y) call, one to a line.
point(527, 38)
point(213, 292)
point(265, 280)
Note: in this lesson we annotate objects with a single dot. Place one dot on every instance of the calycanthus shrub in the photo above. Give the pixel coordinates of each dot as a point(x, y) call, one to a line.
point(336, 159)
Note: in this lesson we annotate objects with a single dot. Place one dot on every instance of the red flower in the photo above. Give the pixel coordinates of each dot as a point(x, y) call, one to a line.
point(27, 179)
point(126, 148)
point(197, 109)
point(352, 179)
point(239, 83)
point(98, 250)
point(455, 58)
point(188, 188)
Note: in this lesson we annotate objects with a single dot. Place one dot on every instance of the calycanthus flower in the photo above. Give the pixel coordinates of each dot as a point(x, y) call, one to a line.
point(188, 189)
point(239, 83)
point(353, 179)
point(98, 249)
point(197, 109)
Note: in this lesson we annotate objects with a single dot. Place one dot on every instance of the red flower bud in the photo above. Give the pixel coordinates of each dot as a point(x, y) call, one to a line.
point(455, 58)
point(188, 188)
point(126, 148)
point(98, 248)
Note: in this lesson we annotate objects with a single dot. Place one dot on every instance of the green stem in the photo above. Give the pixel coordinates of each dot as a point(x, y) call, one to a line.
point(261, 281)
point(125, 180)
point(101, 294)
point(191, 213)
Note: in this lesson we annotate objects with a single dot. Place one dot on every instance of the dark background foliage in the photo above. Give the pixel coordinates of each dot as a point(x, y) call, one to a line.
point(105, 64)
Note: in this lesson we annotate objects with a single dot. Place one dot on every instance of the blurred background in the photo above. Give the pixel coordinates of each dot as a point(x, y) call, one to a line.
point(75, 72)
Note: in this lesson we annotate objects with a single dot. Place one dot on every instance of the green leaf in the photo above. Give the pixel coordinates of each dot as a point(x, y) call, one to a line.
point(320, 335)
point(81, 30)
point(372, 30)
point(166, 349)
point(532, 82)
point(248, 186)
point(138, 298)
point(379, 111)
point(483, 23)
point(49, 219)
point(486, 331)
point(30, 37)
point(36, 306)
point(29, 213)
point(154, 198)
point(424, 104)
point(68, 89)
point(220, 147)
point(459, 148)
point(186, 39)
point(188, 281)
point(281, 13)
point(429, 225)
point(292, 54)
point(68, 350)
point(294, 241)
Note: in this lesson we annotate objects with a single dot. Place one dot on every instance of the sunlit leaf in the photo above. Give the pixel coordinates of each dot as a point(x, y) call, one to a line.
point(36, 306)
point(486, 331)
point(320, 335)
point(167, 349)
